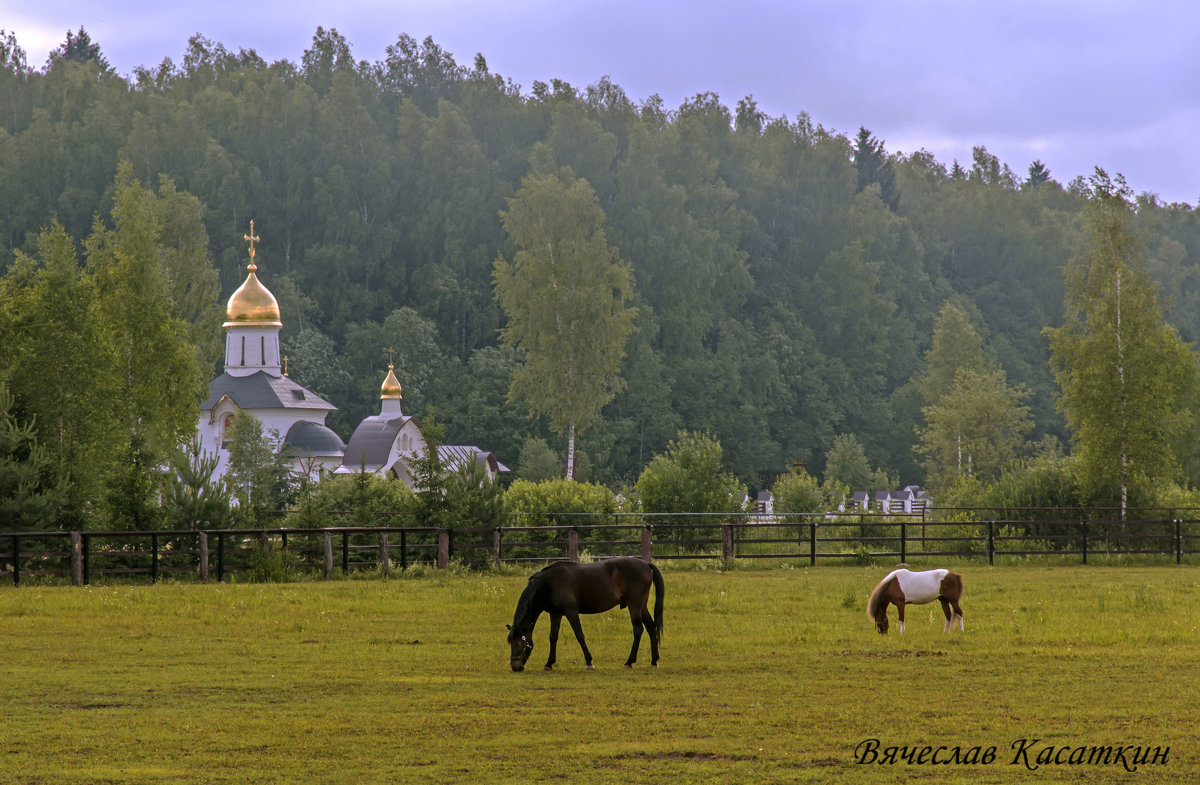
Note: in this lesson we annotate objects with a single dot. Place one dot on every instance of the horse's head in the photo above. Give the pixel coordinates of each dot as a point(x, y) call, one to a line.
point(520, 632)
point(882, 625)
point(520, 642)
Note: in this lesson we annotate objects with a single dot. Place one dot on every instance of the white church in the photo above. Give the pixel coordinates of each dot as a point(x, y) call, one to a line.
point(293, 418)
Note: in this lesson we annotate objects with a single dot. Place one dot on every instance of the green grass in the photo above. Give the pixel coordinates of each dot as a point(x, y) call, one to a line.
point(768, 675)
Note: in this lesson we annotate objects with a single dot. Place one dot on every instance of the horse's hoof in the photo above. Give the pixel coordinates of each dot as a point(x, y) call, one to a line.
point(548, 668)
point(591, 667)
point(629, 665)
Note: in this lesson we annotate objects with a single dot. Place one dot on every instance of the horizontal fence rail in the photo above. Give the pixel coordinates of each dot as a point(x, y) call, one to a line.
point(274, 553)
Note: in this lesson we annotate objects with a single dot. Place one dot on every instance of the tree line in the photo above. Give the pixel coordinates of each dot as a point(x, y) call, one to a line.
point(811, 301)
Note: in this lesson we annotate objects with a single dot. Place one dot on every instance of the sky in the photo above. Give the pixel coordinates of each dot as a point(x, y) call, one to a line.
point(1075, 84)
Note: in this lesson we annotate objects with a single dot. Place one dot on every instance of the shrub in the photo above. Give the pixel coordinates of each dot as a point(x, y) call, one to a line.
point(359, 499)
point(559, 503)
point(689, 478)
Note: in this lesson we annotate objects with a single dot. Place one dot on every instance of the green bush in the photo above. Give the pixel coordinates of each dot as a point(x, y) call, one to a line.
point(797, 491)
point(689, 478)
point(271, 563)
point(559, 503)
point(359, 499)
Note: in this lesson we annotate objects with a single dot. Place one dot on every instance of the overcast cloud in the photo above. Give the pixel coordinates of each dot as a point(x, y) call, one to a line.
point(1074, 83)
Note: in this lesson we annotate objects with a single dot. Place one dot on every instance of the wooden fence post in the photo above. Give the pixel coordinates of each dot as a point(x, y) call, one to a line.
point(647, 544)
point(573, 544)
point(496, 546)
point(726, 542)
point(76, 559)
point(328, 555)
point(383, 552)
point(204, 556)
point(443, 559)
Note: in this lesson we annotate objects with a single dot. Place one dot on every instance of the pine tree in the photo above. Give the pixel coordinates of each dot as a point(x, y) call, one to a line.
point(79, 48)
point(56, 362)
point(873, 166)
point(30, 493)
point(429, 478)
point(259, 477)
point(1038, 175)
point(194, 499)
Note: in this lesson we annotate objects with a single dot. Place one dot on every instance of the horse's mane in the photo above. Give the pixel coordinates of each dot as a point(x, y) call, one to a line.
point(877, 596)
point(525, 607)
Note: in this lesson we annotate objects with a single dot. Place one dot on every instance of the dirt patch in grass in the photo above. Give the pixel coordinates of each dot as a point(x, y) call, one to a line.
point(888, 655)
point(680, 755)
point(78, 706)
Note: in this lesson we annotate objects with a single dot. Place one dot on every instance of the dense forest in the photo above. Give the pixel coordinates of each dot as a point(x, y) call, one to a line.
point(787, 278)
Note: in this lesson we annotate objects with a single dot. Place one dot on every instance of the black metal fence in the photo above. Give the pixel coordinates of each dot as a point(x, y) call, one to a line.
point(279, 553)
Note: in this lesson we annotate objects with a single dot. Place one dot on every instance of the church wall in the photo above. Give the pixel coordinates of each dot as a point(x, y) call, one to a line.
point(249, 350)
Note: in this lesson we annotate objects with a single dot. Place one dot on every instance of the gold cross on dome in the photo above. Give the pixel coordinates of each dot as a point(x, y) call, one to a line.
point(390, 352)
point(252, 239)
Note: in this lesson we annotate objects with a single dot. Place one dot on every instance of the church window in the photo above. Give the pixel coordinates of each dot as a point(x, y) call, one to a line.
point(226, 431)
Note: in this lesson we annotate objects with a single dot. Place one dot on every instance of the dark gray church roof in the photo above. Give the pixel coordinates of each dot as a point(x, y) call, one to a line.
point(454, 455)
point(372, 441)
point(260, 390)
point(311, 438)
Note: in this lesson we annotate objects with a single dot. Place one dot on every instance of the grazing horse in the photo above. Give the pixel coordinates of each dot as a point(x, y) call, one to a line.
point(569, 589)
point(903, 587)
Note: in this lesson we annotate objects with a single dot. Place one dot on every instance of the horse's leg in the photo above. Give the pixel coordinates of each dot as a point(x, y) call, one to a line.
point(949, 625)
point(573, 618)
point(900, 611)
point(635, 616)
point(959, 614)
point(652, 626)
point(555, 620)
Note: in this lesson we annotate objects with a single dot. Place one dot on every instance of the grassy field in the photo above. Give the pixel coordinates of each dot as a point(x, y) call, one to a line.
point(768, 675)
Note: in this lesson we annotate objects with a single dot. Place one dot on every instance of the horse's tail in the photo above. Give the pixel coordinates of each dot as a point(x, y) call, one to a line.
point(876, 598)
point(659, 589)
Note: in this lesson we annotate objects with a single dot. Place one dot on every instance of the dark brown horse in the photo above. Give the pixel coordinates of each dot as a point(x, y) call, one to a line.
point(903, 587)
point(569, 589)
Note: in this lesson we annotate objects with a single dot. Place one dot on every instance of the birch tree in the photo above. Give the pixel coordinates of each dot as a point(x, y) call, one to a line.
point(974, 429)
point(564, 293)
point(975, 422)
point(1121, 368)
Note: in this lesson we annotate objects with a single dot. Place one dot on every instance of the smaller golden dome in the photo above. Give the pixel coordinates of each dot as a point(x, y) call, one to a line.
point(252, 304)
point(391, 385)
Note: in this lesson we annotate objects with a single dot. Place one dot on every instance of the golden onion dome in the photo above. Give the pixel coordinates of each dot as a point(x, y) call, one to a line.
point(252, 304)
point(391, 385)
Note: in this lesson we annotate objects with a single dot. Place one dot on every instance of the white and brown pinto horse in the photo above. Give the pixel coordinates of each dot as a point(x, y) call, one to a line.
point(904, 587)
